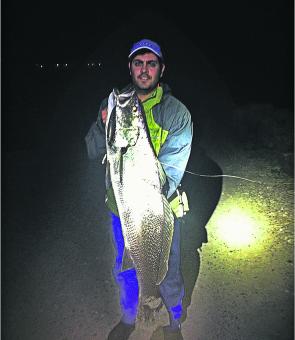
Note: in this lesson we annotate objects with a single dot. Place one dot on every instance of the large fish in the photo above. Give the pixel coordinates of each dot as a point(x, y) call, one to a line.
point(137, 179)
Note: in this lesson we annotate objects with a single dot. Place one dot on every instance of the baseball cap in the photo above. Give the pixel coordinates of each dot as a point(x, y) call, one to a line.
point(148, 45)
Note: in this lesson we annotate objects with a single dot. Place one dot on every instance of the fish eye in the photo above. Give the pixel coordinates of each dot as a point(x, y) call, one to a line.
point(134, 108)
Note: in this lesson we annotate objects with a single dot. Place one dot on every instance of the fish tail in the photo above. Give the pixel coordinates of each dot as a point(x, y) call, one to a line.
point(148, 312)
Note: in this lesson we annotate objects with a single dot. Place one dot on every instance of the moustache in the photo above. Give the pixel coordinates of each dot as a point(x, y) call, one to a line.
point(144, 75)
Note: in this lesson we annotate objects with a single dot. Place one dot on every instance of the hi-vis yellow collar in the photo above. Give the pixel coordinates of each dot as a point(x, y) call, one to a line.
point(154, 99)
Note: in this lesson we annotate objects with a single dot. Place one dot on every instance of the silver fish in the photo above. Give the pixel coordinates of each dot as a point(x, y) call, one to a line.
point(137, 179)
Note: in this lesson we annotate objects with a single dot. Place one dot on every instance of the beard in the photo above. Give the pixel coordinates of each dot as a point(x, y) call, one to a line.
point(145, 88)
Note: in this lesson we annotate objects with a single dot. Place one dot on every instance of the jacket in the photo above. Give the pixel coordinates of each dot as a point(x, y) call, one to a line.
point(172, 116)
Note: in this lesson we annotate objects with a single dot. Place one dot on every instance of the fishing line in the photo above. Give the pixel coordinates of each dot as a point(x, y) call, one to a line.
point(212, 176)
point(203, 175)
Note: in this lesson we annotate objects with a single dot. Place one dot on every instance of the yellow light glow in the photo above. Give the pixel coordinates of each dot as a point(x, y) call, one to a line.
point(240, 223)
point(237, 228)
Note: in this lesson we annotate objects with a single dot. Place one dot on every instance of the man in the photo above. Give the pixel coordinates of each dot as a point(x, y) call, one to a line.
point(170, 129)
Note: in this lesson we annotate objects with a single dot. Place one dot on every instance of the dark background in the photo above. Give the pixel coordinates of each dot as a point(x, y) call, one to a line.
point(250, 43)
point(226, 53)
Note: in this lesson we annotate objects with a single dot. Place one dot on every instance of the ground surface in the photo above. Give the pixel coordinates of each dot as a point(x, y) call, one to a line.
point(57, 253)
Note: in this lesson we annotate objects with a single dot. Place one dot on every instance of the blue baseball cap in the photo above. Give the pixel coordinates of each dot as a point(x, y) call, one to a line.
point(148, 45)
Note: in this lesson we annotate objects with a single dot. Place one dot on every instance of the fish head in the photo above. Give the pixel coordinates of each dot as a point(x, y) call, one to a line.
point(123, 126)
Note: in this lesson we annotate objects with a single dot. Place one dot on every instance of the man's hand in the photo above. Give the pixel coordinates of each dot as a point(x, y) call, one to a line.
point(104, 114)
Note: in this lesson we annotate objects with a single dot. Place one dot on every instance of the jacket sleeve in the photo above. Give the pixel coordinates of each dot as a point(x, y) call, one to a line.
point(175, 152)
point(95, 138)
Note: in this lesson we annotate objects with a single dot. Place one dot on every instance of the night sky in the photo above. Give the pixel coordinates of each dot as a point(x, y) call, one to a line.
point(249, 43)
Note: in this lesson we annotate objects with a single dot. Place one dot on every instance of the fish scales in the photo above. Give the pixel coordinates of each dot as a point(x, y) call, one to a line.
point(137, 180)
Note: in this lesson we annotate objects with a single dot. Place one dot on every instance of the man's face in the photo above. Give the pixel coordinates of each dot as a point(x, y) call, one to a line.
point(145, 72)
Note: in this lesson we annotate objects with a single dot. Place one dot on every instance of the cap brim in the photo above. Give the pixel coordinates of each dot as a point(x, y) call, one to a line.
point(145, 48)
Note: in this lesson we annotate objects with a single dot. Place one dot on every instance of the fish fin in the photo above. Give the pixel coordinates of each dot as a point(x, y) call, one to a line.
point(123, 150)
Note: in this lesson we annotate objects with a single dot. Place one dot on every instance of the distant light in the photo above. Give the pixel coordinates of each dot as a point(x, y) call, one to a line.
point(57, 65)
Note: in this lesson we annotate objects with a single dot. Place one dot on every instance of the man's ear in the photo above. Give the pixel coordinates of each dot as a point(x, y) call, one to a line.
point(162, 70)
point(129, 66)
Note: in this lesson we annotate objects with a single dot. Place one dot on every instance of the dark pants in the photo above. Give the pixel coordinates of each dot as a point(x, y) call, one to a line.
point(171, 288)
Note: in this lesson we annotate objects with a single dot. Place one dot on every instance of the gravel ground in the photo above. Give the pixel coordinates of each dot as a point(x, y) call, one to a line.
point(57, 253)
point(56, 247)
point(247, 292)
